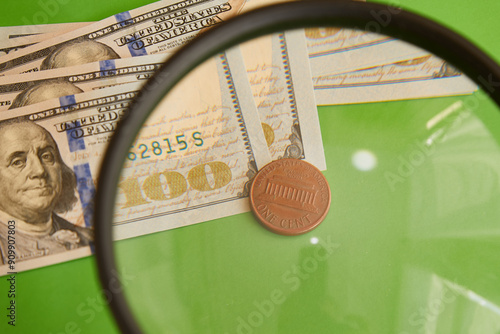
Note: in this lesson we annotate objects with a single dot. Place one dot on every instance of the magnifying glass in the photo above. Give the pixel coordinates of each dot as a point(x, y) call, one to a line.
point(408, 144)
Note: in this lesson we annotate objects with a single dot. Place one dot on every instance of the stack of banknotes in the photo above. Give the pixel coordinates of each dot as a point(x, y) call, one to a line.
point(197, 154)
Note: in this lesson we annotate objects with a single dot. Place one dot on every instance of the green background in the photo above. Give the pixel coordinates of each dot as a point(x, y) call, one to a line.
point(418, 257)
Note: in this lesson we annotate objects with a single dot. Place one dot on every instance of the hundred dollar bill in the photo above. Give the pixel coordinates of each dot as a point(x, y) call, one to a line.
point(338, 50)
point(192, 161)
point(195, 156)
point(421, 77)
point(278, 72)
point(30, 88)
point(159, 27)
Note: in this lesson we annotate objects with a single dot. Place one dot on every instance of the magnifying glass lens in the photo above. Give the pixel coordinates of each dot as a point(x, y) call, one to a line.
point(408, 146)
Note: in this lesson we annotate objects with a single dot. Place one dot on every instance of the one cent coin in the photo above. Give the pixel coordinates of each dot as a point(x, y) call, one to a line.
point(290, 196)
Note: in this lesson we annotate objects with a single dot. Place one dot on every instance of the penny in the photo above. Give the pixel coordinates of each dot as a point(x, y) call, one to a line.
point(290, 196)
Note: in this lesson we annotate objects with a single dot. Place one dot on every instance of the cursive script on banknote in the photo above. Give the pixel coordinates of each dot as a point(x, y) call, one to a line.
point(278, 72)
point(195, 155)
point(336, 50)
point(421, 77)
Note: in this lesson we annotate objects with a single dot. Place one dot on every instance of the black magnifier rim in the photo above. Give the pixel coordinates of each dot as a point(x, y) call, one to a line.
point(357, 15)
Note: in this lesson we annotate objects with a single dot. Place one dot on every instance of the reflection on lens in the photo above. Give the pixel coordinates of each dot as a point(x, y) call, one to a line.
point(364, 160)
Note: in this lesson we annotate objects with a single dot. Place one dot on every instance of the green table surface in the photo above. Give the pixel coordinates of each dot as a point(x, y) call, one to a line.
point(419, 255)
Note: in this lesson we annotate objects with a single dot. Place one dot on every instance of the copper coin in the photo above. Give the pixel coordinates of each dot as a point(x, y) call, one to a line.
point(290, 196)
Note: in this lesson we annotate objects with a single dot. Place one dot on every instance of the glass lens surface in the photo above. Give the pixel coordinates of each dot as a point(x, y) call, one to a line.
point(409, 146)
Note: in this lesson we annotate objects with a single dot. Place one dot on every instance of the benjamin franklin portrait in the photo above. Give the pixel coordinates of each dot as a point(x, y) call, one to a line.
point(43, 91)
point(35, 186)
point(78, 53)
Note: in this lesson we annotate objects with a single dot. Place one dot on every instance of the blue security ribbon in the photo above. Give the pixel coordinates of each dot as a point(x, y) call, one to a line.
point(75, 144)
point(107, 67)
point(86, 190)
point(138, 51)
